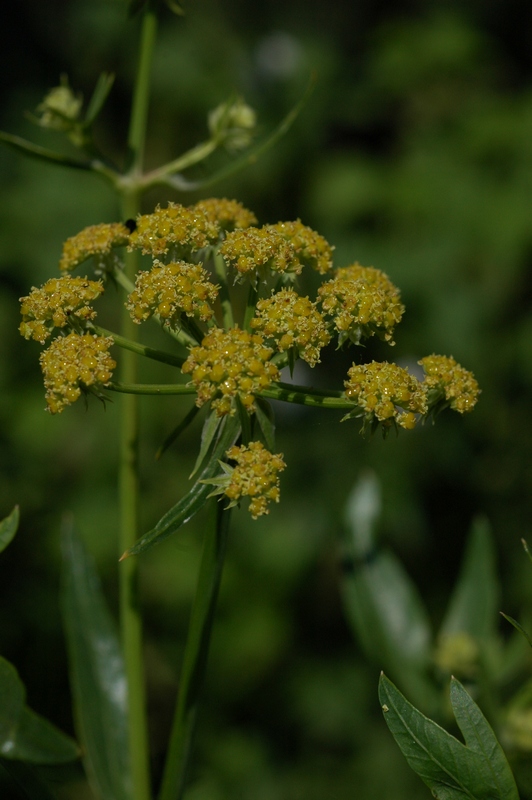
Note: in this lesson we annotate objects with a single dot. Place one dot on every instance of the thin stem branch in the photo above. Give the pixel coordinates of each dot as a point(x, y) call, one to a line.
point(141, 349)
point(195, 657)
point(150, 388)
point(225, 300)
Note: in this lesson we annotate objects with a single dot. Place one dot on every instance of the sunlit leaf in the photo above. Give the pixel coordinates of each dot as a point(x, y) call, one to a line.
point(8, 528)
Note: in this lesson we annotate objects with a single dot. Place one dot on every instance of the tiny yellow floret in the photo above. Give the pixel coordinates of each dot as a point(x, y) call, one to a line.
point(311, 248)
point(255, 250)
point(228, 214)
point(184, 230)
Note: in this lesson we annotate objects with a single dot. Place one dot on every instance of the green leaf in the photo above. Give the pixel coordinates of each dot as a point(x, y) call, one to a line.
point(100, 94)
point(382, 604)
point(210, 427)
point(12, 699)
point(517, 626)
point(245, 421)
point(473, 605)
point(8, 528)
point(195, 499)
point(38, 741)
point(450, 769)
point(178, 430)
point(97, 674)
point(479, 736)
point(266, 420)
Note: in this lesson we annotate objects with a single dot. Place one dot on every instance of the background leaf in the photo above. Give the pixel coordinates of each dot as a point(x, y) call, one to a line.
point(8, 528)
point(97, 674)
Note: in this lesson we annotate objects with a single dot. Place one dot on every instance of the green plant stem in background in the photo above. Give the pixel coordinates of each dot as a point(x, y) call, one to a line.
point(195, 657)
point(130, 619)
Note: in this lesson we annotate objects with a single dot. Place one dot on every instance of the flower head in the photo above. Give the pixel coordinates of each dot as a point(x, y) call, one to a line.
point(96, 240)
point(255, 476)
point(311, 248)
point(60, 302)
point(230, 363)
point(232, 124)
point(174, 227)
point(448, 382)
point(254, 250)
point(292, 321)
point(74, 363)
point(228, 214)
point(386, 393)
point(170, 290)
point(362, 301)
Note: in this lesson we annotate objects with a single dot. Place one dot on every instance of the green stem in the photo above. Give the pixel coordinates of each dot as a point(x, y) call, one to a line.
point(250, 306)
point(130, 619)
point(150, 388)
point(195, 657)
point(141, 349)
point(307, 397)
point(225, 300)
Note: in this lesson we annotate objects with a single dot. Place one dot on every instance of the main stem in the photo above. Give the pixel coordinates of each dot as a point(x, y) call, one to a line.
point(130, 619)
point(195, 657)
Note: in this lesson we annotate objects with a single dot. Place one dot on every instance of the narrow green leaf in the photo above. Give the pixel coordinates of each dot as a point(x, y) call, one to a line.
point(41, 153)
point(266, 420)
point(178, 430)
point(210, 427)
point(25, 781)
point(382, 604)
point(450, 769)
point(100, 94)
point(517, 626)
point(38, 741)
point(473, 605)
point(479, 736)
point(195, 499)
point(8, 528)
point(245, 422)
point(12, 699)
point(97, 674)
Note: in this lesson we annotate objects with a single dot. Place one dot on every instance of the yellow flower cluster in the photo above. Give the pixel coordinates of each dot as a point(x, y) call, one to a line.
point(310, 247)
point(96, 240)
point(171, 289)
point(362, 302)
point(59, 302)
point(73, 363)
point(386, 393)
point(293, 321)
point(230, 363)
point(445, 378)
point(174, 226)
point(229, 214)
point(255, 476)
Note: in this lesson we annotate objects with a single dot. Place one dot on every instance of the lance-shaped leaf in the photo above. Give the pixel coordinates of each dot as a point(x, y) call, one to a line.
point(381, 602)
point(8, 528)
point(473, 605)
point(178, 430)
point(24, 735)
point(97, 674)
point(195, 499)
point(103, 86)
point(452, 770)
point(266, 420)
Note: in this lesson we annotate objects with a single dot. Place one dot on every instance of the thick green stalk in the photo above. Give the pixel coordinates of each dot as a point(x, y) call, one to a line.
point(195, 657)
point(130, 619)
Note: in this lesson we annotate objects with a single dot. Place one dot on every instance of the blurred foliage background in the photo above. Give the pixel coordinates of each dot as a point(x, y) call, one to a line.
point(414, 155)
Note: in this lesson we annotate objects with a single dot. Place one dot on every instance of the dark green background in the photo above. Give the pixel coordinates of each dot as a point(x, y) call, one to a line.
point(414, 155)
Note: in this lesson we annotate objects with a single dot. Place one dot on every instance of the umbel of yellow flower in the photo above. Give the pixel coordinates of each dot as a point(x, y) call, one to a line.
point(61, 301)
point(174, 227)
point(170, 290)
point(95, 241)
point(386, 393)
point(75, 363)
point(362, 302)
point(229, 364)
point(449, 384)
point(255, 476)
point(292, 321)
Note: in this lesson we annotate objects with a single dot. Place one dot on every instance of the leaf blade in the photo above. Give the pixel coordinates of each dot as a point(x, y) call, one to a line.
point(97, 674)
point(8, 528)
